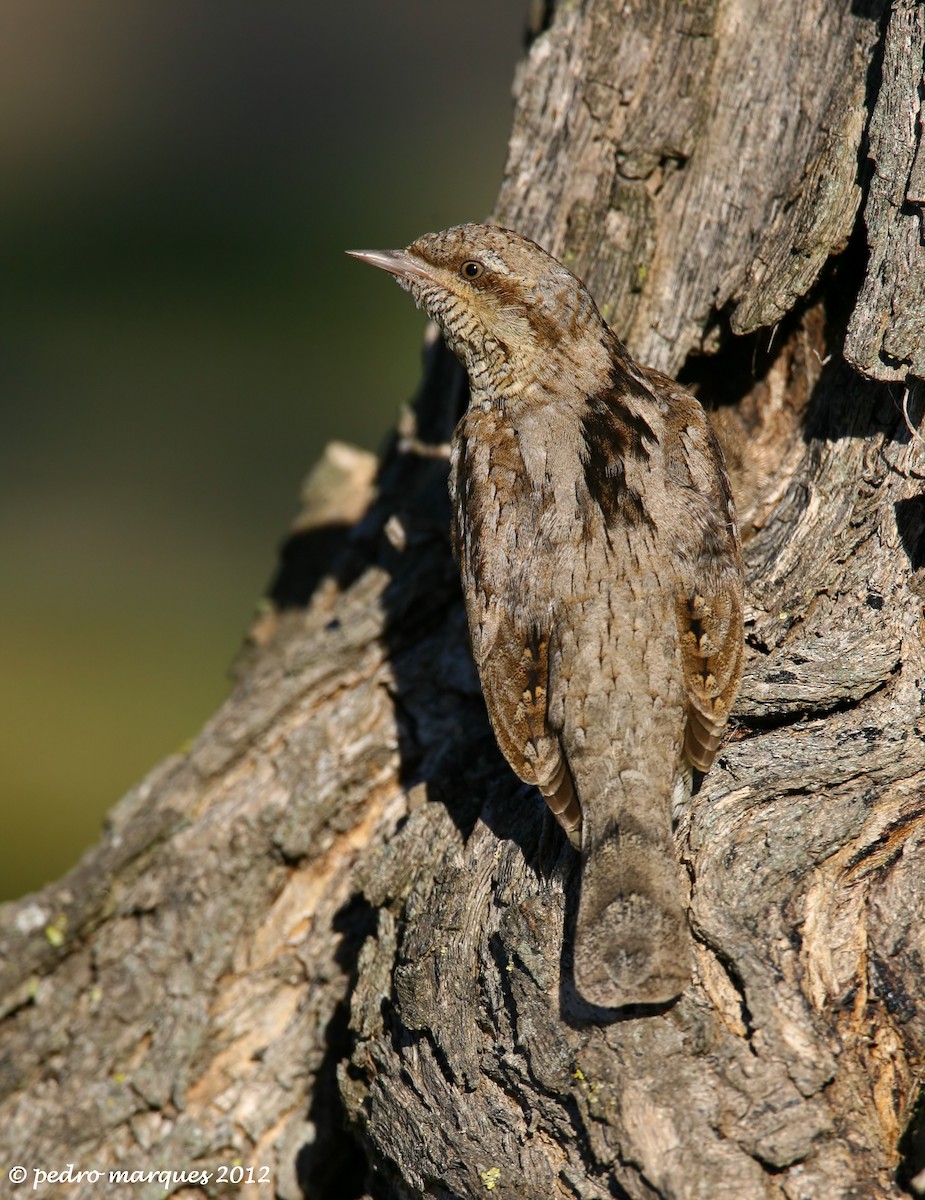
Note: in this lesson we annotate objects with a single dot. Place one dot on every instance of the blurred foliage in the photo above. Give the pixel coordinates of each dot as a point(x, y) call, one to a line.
point(180, 334)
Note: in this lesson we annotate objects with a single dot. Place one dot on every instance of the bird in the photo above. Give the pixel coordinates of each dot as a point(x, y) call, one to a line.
point(596, 536)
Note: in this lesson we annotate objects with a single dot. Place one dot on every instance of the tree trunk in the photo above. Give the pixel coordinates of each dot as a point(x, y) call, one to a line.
point(331, 943)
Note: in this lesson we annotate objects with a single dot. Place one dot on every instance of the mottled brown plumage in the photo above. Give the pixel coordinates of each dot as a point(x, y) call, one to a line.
point(597, 541)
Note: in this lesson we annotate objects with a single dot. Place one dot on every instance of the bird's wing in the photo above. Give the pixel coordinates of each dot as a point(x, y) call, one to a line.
point(708, 607)
point(511, 654)
point(710, 628)
point(514, 668)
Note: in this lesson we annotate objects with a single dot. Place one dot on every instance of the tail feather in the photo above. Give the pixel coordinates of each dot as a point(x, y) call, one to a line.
point(632, 943)
point(559, 793)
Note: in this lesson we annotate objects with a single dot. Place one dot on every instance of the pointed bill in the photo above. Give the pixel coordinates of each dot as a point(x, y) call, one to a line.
point(396, 262)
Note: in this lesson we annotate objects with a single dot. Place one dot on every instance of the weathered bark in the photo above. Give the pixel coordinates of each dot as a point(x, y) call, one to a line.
point(333, 939)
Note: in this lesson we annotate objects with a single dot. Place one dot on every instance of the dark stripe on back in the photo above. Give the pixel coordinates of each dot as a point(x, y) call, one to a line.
point(613, 433)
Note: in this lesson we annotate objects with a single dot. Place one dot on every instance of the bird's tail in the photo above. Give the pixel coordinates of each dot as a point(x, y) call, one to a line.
point(632, 943)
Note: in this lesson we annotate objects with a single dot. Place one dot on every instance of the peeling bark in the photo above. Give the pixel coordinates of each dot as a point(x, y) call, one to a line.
point(332, 941)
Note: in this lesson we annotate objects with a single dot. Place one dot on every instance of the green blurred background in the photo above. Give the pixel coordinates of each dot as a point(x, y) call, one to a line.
point(180, 334)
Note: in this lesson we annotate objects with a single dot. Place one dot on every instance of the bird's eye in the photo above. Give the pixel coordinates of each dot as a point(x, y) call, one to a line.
point(471, 269)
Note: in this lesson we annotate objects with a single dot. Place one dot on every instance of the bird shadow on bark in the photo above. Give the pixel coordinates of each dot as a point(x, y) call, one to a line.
point(333, 1165)
point(306, 557)
point(447, 752)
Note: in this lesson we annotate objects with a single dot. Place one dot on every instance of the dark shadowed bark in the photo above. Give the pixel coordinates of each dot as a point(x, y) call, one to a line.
point(332, 941)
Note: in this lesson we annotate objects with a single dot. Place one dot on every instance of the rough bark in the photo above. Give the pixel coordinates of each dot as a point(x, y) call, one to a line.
point(332, 940)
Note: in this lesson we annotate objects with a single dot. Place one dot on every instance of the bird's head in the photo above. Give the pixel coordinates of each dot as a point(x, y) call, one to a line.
point(513, 315)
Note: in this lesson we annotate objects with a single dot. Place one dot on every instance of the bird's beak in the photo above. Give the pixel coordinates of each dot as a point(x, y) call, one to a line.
point(396, 262)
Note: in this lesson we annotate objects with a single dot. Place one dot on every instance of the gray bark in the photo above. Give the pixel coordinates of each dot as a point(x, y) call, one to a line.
point(332, 941)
